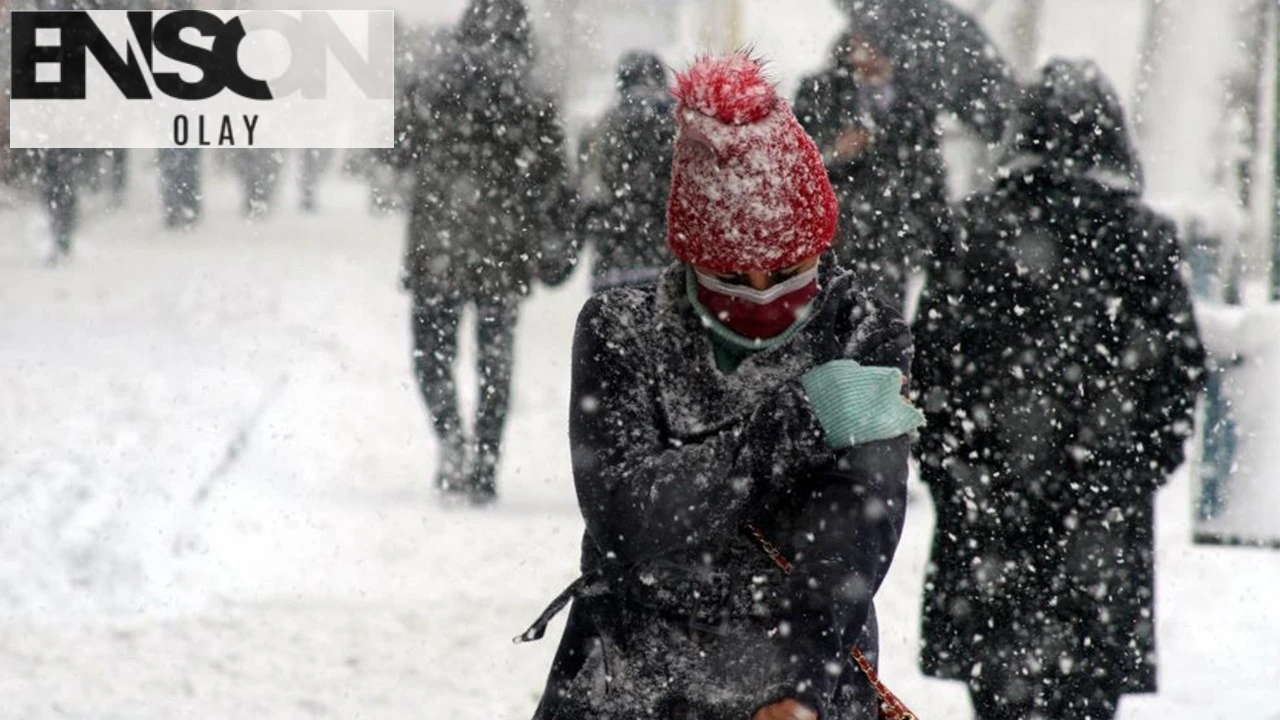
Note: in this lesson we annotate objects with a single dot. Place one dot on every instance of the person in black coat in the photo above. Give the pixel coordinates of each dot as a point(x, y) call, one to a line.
point(1058, 362)
point(739, 443)
point(489, 216)
point(874, 114)
point(627, 157)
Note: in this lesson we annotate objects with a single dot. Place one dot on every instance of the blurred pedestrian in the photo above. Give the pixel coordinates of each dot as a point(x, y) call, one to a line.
point(181, 189)
point(59, 173)
point(490, 213)
point(626, 159)
point(118, 174)
point(874, 113)
point(312, 163)
point(739, 441)
point(1058, 366)
point(259, 170)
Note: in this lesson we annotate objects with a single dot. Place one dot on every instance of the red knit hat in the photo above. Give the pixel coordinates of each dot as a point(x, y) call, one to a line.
point(748, 187)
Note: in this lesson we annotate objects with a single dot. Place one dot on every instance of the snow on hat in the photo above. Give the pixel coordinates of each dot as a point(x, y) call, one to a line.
point(748, 187)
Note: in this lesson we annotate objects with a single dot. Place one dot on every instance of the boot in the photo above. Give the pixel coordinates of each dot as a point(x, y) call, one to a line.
point(451, 465)
point(483, 483)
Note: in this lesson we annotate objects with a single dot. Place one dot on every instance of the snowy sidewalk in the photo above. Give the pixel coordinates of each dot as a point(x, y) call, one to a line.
point(214, 473)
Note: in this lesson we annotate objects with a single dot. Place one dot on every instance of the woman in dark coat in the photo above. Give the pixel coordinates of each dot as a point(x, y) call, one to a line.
point(1058, 364)
point(491, 204)
point(874, 113)
point(739, 405)
point(627, 161)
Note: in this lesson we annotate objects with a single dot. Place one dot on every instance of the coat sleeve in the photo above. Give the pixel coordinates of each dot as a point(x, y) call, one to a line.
point(978, 86)
point(551, 198)
point(642, 496)
point(939, 365)
point(842, 551)
point(1165, 417)
point(820, 114)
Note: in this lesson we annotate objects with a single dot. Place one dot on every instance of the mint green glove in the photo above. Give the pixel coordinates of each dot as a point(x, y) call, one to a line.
point(857, 404)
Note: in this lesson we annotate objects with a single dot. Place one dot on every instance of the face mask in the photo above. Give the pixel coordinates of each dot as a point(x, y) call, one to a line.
point(758, 314)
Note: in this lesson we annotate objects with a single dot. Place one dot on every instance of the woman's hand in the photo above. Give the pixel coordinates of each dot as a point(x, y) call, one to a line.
point(785, 710)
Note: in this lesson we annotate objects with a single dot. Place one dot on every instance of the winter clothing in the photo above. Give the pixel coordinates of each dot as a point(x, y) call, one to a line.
point(1058, 363)
point(491, 191)
point(893, 191)
point(435, 348)
point(259, 170)
point(181, 192)
point(680, 609)
point(312, 164)
point(942, 51)
point(59, 177)
point(489, 211)
point(748, 188)
point(858, 404)
point(755, 314)
point(626, 178)
point(730, 348)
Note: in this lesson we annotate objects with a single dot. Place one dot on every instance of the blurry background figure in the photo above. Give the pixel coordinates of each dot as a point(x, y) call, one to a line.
point(312, 163)
point(181, 192)
point(419, 51)
point(874, 112)
point(625, 162)
point(259, 171)
point(118, 175)
point(59, 173)
point(387, 186)
point(1058, 366)
point(490, 213)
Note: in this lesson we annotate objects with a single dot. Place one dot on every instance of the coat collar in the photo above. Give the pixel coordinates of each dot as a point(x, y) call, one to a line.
point(695, 397)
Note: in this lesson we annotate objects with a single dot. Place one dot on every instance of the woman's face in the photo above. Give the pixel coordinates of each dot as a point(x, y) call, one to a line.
point(867, 61)
point(762, 279)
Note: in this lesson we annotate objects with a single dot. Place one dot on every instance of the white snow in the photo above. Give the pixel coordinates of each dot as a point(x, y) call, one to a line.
point(144, 574)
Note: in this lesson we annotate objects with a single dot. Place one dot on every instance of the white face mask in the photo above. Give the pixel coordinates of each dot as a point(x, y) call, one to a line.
point(758, 297)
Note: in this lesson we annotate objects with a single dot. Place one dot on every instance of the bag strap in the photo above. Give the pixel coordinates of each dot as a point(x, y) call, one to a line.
point(587, 584)
point(891, 707)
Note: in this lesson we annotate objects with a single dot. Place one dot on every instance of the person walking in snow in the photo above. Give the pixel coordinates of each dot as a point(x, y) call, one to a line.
point(627, 161)
point(59, 172)
point(742, 415)
point(181, 187)
point(312, 163)
point(490, 213)
point(259, 170)
point(1058, 368)
point(874, 113)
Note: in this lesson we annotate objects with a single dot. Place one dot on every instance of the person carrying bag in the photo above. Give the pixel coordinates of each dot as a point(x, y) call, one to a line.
point(752, 399)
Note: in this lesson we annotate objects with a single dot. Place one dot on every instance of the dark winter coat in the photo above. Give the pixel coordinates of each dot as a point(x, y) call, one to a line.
point(630, 152)
point(491, 193)
point(1058, 361)
point(944, 54)
point(893, 196)
point(672, 459)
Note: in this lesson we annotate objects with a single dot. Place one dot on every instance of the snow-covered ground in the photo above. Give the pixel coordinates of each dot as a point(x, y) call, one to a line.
point(214, 500)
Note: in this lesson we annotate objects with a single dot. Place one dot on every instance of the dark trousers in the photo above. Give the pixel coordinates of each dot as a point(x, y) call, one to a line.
point(313, 163)
point(435, 348)
point(58, 182)
point(180, 189)
point(259, 176)
point(119, 173)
